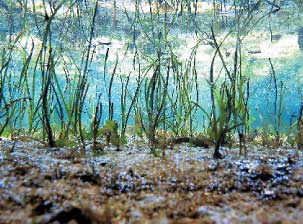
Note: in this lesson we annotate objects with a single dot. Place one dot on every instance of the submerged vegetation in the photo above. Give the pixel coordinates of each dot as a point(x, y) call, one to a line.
point(65, 72)
point(89, 76)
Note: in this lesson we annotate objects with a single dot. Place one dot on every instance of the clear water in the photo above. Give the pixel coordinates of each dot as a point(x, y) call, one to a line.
point(262, 92)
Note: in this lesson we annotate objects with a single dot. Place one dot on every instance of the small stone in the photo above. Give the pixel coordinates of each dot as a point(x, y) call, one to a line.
point(150, 199)
point(263, 172)
point(135, 214)
point(291, 160)
point(300, 192)
point(213, 166)
point(202, 211)
point(268, 192)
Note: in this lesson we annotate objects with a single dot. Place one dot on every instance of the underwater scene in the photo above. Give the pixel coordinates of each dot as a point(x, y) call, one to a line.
point(151, 111)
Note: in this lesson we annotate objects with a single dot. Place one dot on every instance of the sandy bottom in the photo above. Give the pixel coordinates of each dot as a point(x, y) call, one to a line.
point(43, 185)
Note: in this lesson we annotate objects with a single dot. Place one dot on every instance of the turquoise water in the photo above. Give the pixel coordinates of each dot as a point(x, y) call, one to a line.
point(262, 98)
point(69, 43)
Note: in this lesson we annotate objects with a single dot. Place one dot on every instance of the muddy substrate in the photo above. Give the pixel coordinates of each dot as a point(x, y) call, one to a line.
point(43, 185)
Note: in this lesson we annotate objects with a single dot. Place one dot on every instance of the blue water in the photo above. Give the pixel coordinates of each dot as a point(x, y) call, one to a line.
point(261, 95)
point(261, 98)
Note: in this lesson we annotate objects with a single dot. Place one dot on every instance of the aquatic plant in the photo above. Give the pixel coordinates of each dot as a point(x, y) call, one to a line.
point(110, 133)
point(184, 97)
point(51, 73)
point(225, 99)
point(8, 100)
point(279, 93)
point(95, 121)
point(299, 136)
point(126, 108)
point(155, 95)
